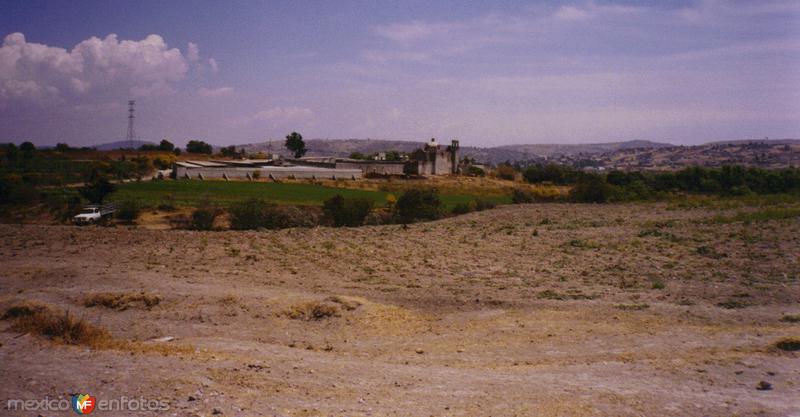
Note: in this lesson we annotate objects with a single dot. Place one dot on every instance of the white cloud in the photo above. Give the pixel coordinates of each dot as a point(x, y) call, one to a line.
point(216, 92)
point(283, 114)
point(571, 13)
point(214, 66)
point(192, 52)
point(94, 67)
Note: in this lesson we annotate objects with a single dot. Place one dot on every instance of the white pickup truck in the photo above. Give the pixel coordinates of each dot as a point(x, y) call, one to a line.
point(94, 213)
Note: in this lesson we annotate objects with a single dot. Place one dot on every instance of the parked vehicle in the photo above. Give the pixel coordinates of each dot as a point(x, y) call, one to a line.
point(94, 213)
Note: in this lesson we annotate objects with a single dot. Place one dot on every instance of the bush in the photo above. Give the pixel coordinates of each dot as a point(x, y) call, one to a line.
point(505, 172)
point(418, 204)
point(249, 214)
point(97, 190)
point(258, 214)
point(341, 211)
point(481, 205)
point(463, 208)
point(522, 196)
point(474, 171)
point(203, 218)
point(128, 210)
point(593, 189)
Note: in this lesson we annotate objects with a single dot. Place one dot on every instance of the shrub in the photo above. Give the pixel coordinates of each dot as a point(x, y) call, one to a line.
point(463, 208)
point(593, 189)
point(378, 217)
point(259, 214)
point(249, 214)
point(312, 311)
point(474, 171)
point(418, 204)
point(788, 344)
point(128, 210)
point(203, 218)
point(97, 190)
point(60, 327)
point(481, 204)
point(505, 172)
point(522, 196)
point(341, 211)
point(122, 301)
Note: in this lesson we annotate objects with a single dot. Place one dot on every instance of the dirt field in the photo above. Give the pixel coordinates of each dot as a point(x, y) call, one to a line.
point(546, 310)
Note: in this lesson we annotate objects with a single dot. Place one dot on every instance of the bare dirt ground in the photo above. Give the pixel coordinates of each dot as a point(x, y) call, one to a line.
point(543, 310)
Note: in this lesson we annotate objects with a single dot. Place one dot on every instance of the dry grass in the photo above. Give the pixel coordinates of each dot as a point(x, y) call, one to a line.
point(64, 328)
point(791, 318)
point(122, 301)
point(61, 327)
point(312, 310)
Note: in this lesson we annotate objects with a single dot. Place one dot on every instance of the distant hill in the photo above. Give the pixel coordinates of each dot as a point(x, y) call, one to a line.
point(762, 141)
point(494, 155)
point(551, 150)
point(122, 144)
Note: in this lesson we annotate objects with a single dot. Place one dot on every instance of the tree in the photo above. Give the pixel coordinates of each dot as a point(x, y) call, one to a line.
point(12, 152)
point(97, 190)
point(27, 149)
point(198, 146)
point(346, 211)
point(62, 147)
point(418, 204)
point(393, 156)
point(357, 155)
point(229, 151)
point(166, 145)
point(294, 143)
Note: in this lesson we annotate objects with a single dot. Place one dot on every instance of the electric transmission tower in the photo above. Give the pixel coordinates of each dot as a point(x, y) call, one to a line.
point(131, 133)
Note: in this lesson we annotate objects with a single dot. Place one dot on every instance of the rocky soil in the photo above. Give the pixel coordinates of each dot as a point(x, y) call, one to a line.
point(547, 310)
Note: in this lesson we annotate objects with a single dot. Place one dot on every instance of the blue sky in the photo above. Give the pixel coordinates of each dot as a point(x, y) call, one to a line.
point(487, 73)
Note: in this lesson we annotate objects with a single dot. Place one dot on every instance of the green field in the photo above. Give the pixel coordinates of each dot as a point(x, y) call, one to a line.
point(190, 193)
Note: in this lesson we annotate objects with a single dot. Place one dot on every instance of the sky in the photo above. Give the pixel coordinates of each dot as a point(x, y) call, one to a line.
point(486, 73)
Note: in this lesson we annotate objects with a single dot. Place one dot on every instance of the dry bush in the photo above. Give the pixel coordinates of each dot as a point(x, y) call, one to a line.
point(57, 326)
point(789, 344)
point(791, 318)
point(122, 301)
point(61, 327)
point(312, 310)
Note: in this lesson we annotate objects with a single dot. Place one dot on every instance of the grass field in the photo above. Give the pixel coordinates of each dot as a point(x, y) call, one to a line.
point(190, 193)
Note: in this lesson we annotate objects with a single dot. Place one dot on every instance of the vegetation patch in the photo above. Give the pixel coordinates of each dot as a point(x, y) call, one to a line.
point(312, 310)
point(122, 301)
point(791, 318)
point(61, 327)
point(790, 344)
point(733, 304)
point(552, 295)
point(776, 213)
point(634, 307)
point(583, 244)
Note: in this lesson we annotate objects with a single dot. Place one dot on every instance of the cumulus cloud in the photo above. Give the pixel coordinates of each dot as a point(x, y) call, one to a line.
point(94, 67)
